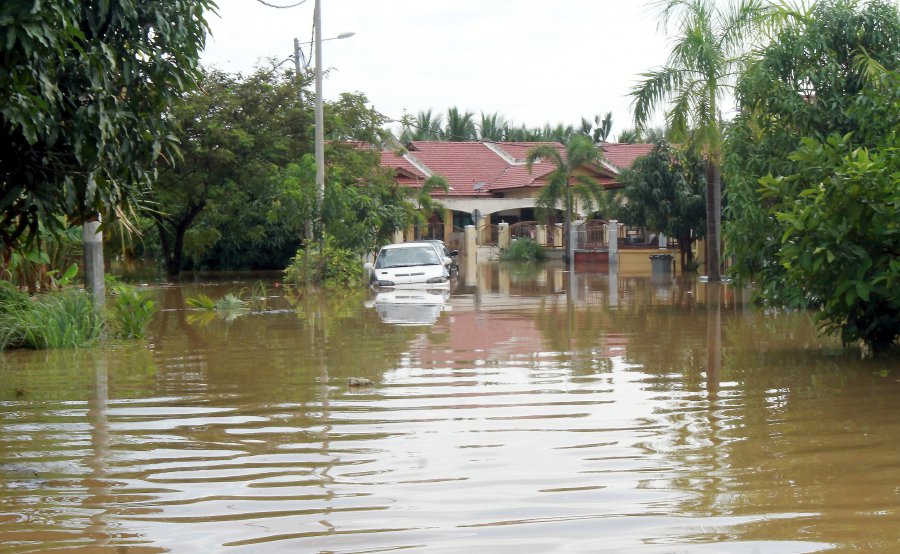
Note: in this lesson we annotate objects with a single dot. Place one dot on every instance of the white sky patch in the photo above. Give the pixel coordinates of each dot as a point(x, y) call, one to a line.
point(534, 62)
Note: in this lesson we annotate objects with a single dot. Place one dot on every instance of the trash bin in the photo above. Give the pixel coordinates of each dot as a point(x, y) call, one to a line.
point(661, 263)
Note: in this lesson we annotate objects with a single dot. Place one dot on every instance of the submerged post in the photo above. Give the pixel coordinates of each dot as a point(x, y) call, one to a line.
point(92, 238)
point(612, 232)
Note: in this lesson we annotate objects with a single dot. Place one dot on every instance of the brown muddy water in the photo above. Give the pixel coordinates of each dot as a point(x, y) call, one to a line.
point(631, 414)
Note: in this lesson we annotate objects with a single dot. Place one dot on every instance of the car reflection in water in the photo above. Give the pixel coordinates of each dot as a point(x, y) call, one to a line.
point(410, 306)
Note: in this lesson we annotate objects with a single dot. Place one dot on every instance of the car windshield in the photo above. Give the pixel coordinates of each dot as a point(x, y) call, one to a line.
point(406, 257)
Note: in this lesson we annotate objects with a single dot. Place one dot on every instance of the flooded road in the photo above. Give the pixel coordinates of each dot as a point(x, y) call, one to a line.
point(509, 415)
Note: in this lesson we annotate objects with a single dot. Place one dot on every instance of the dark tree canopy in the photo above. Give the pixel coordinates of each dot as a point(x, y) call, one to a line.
point(665, 192)
point(84, 87)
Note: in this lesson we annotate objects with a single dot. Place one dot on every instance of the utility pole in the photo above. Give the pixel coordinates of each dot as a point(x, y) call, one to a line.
point(320, 121)
point(308, 224)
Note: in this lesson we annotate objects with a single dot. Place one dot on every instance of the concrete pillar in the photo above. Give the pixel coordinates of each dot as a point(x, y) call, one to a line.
point(613, 284)
point(663, 241)
point(577, 230)
point(482, 224)
point(94, 282)
point(557, 235)
point(503, 235)
point(612, 239)
point(448, 225)
point(398, 236)
point(471, 244)
point(541, 232)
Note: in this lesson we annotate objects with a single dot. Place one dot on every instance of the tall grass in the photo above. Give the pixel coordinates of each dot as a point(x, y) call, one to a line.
point(65, 319)
point(68, 318)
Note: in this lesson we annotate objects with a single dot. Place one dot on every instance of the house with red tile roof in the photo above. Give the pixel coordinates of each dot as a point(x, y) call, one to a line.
point(491, 180)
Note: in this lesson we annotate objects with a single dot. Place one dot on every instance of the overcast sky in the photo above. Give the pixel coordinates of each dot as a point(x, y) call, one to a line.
point(532, 61)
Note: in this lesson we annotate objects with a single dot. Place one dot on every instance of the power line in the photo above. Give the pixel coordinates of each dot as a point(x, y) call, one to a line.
point(264, 3)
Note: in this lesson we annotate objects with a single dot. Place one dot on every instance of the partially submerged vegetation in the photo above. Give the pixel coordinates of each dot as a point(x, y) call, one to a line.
point(68, 318)
point(523, 250)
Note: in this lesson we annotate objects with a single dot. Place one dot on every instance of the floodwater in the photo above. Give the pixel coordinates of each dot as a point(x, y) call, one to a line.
point(526, 411)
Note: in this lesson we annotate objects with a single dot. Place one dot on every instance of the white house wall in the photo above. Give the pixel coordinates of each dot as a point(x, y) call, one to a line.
point(489, 205)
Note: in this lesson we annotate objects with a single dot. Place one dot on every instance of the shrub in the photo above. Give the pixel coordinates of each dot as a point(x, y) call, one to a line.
point(523, 250)
point(130, 311)
point(329, 267)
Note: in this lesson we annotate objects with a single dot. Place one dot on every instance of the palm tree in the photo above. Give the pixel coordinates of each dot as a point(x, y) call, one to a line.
point(563, 183)
point(629, 136)
point(460, 127)
point(426, 126)
point(427, 205)
point(602, 127)
point(493, 127)
point(706, 55)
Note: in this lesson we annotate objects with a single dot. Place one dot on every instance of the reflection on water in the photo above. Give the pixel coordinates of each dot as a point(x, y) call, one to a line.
point(409, 306)
point(542, 413)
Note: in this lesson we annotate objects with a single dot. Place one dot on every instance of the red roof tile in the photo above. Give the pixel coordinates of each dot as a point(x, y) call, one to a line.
point(498, 166)
point(623, 155)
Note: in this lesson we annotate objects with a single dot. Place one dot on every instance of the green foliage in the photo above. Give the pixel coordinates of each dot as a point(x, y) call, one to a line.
point(130, 311)
point(46, 263)
point(331, 266)
point(85, 85)
point(426, 126)
point(665, 192)
point(841, 240)
point(201, 302)
point(216, 204)
point(831, 79)
point(65, 319)
point(244, 197)
point(523, 250)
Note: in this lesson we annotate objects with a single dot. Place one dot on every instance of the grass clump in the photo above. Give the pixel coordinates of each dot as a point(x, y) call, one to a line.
point(64, 319)
point(523, 250)
point(68, 318)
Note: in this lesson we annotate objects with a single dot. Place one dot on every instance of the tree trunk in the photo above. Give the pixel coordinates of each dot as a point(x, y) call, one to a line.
point(713, 221)
point(174, 252)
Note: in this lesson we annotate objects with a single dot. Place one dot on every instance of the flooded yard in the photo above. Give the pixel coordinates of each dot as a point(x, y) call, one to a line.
point(524, 411)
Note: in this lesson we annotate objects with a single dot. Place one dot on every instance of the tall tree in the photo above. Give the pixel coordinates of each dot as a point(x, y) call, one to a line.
point(460, 127)
point(493, 127)
point(425, 126)
point(235, 134)
point(85, 85)
point(707, 51)
point(812, 165)
point(565, 183)
point(665, 192)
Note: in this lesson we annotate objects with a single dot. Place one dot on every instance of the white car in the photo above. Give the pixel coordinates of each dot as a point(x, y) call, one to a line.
point(410, 264)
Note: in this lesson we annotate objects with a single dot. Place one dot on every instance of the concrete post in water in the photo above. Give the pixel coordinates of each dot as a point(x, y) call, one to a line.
point(470, 250)
point(503, 235)
point(557, 235)
point(663, 241)
point(92, 238)
point(612, 231)
point(503, 279)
